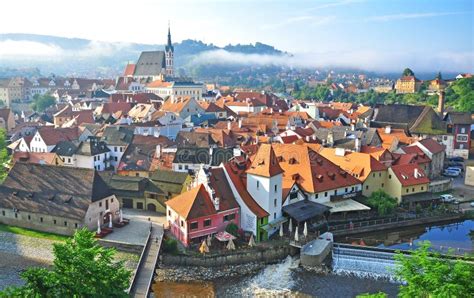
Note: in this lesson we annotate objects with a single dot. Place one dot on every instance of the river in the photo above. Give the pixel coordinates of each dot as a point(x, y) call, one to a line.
point(287, 279)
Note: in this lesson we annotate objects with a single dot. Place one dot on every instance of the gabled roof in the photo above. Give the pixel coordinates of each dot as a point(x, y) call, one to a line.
point(52, 136)
point(35, 157)
point(265, 162)
point(406, 174)
point(118, 135)
point(433, 146)
point(150, 63)
point(57, 180)
point(458, 118)
point(129, 70)
point(193, 204)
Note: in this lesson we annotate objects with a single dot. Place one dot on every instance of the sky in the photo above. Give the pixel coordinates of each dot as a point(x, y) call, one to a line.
point(375, 34)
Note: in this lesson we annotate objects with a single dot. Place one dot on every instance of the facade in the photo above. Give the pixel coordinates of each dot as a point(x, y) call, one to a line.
point(406, 180)
point(7, 119)
point(117, 139)
point(459, 125)
point(89, 154)
point(204, 210)
point(436, 152)
point(56, 199)
point(407, 84)
point(182, 107)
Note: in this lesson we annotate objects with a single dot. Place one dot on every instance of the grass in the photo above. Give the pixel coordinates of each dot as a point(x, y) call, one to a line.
point(32, 233)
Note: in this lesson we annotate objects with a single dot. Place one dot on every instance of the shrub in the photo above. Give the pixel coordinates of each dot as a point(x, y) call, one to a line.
point(233, 229)
point(170, 246)
point(382, 202)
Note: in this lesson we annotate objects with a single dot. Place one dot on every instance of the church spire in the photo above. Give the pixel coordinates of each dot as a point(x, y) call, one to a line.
point(169, 45)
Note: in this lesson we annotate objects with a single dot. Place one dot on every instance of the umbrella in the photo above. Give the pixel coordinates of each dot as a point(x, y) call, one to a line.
point(203, 248)
point(121, 215)
point(251, 241)
point(98, 226)
point(305, 230)
point(209, 240)
point(281, 230)
point(290, 226)
point(110, 221)
point(297, 238)
point(230, 245)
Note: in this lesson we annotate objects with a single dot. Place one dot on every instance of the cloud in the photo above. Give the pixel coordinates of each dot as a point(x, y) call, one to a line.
point(32, 50)
point(404, 16)
point(309, 20)
point(336, 3)
point(363, 59)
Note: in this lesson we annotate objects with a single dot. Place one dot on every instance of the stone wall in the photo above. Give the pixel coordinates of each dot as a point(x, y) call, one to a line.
point(258, 255)
point(121, 246)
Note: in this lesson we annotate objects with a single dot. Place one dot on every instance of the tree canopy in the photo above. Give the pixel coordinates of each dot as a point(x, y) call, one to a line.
point(408, 72)
point(425, 274)
point(382, 202)
point(460, 95)
point(42, 102)
point(81, 268)
point(4, 157)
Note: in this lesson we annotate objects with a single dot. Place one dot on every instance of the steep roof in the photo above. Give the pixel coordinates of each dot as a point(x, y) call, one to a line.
point(35, 157)
point(406, 174)
point(433, 146)
point(193, 204)
point(118, 135)
point(265, 162)
point(56, 180)
point(129, 70)
point(150, 63)
point(458, 118)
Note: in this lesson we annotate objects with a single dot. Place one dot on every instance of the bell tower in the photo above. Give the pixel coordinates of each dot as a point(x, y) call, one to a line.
point(169, 55)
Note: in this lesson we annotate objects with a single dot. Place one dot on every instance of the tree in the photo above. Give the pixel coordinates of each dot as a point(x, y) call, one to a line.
point(232, 228)
point(42, 102)
point(425, 274)
point(81, 268)
point(408, 72)
point(4, 157)
point(461, 95)
point(382, 202)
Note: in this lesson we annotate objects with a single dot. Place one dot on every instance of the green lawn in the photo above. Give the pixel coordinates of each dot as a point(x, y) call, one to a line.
point(32, 233)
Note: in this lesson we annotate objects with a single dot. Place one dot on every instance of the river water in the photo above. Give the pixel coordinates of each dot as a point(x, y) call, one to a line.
point(287, 279)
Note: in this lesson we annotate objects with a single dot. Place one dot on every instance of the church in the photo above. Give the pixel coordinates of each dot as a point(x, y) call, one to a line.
point(153, 65)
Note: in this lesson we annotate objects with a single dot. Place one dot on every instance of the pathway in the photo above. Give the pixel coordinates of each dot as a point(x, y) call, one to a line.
point(146, 268)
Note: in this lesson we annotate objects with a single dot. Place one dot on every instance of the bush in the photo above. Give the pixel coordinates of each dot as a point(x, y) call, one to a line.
point(233, 229)
point(382, 202)
point(170, 246)
point(418, 208)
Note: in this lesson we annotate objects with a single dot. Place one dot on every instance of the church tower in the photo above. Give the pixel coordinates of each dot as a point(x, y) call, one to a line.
point(169, 53)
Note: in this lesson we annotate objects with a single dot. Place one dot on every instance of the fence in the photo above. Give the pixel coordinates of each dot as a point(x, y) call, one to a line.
point(140, 263)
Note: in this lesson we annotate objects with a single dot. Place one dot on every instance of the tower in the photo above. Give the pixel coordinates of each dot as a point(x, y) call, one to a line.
point(169, 53)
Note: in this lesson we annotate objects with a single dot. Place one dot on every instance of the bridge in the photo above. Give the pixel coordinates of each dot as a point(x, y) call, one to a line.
point(141, 280)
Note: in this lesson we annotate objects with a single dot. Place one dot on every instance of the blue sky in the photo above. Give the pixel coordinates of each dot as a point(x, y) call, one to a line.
point(376, 34)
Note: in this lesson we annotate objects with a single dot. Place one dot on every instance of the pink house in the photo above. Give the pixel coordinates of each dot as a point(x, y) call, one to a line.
point(204, 210)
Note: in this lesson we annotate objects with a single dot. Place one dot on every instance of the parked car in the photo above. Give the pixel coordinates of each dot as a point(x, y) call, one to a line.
point(472, 204)
point(447, 198)
point(454, 169)
point(457, 158)
point(455, 164)
point(450, 173)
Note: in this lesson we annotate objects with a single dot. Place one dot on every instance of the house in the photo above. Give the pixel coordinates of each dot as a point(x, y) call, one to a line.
point(413, 154)
point(436, 152)
point(176, 89)
point(136, 192)
point(182, 106)
point(190, 159)
point(407, 84)
point(171, 124)
point(170, 182)
point(56, 199)
point(46, 138)
point(309, 107)
point(43, 158)
point(141, 112)
point(371, 172)
point(141, 158)
point(407, 179)
point(117, 139)
point(204, 210)
point(65, 117)
point(89, 154)
point(212, 109)
point(195, 139)
point(459, 125)
point(7, 119)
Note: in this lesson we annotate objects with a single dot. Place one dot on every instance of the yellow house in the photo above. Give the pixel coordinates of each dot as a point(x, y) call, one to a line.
point(407, 84)
point(371, 172)
point(406, 179)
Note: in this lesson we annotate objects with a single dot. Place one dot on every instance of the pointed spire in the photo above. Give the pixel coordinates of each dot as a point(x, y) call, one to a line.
point(169, 45)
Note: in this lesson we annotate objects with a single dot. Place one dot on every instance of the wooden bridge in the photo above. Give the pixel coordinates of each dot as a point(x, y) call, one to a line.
point(141, 282)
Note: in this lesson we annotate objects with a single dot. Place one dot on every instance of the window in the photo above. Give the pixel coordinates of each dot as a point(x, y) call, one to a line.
point(137, 174)
point(258, 184)
point(383, 185)
point(3, 212)
point(111, 200)
point(75, 225)
point(413, 189)
point(316, 196)
point(275, 202)
point(345, 190)
point(380, 174)
point(389, 176)
point(207, 222)
point(274, 215)
point(182, 223)
point(261, 221)
point(121, 149)
point(16, 215)
point(276, 188)
point(335, 192)
point(186, 167)
point(139, 205)
point(41, 219)
point(461, 138)
point(229, 217)
point(54, 221)
point(407, 190)
point(29, 217)
point(422, 188)
point(366, 187)
point(373, 175)
point(65, 223)
point(194, 225)
point(180, 167)
point(326, 194)
point(115, 148)
point(100, 204)
point(463, 130)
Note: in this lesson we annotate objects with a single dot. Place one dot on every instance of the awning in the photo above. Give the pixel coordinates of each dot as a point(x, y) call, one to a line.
point(346, 206)
point(224, 236)
point(304, 210)
point(274, 224)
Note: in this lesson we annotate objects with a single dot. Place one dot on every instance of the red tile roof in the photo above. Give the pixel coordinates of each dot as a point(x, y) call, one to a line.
point(433, 146)
point(265, 162)
point(129, 70)
point(406, 174)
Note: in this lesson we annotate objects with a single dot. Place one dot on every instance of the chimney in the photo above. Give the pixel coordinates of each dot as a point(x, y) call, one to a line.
point(388, 129)
point(307, 139)
point(240, 122)
point(340, 152)
point(216, 203)
point(330, 139)
point(357, 145)
point(352, 127)
point(158, 151)
point(256, 139)
point(441, 103)
point(416, 173)
point(229, 125)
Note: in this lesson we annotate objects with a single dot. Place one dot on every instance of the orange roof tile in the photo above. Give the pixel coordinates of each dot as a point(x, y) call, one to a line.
point(265, 162)
point(192, 204)
point(406, 174)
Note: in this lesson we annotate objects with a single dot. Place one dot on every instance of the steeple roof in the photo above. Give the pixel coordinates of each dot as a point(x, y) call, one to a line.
point(265, 162)
point(169, 45)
